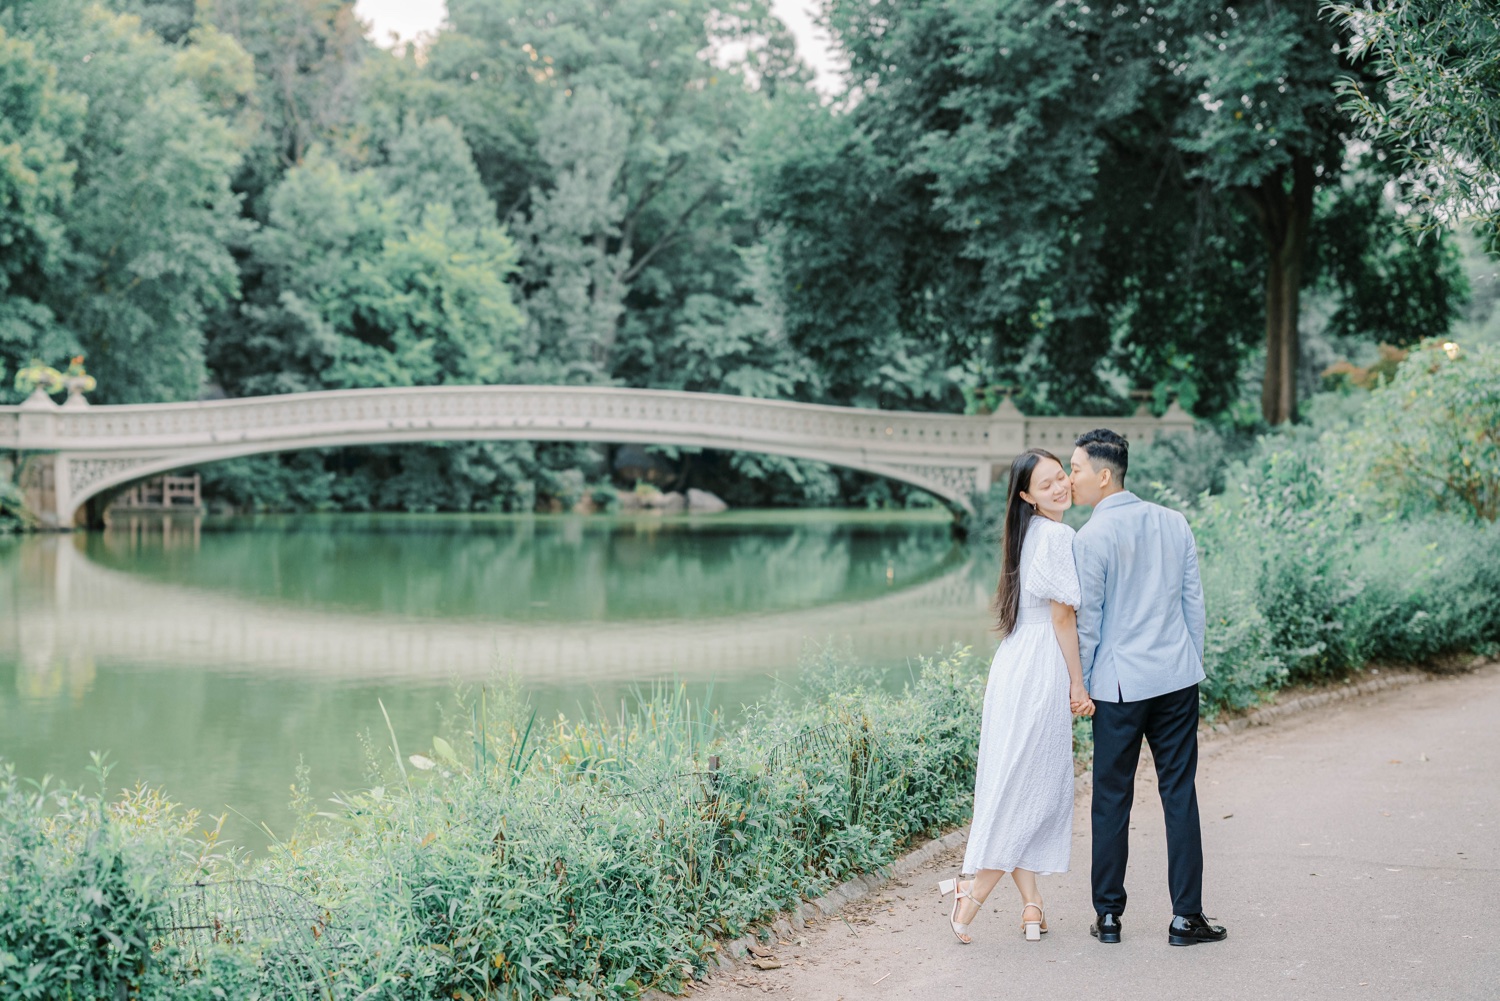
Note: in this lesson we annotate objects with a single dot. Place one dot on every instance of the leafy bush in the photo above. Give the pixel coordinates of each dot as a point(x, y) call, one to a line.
point(1430, 588)
point(1430, 438)
point(1356, 537)
point(1190, 464)
point(1286, 540)
point(85, 883)
point(602, 858)
point(14, 516)
point(511, 859)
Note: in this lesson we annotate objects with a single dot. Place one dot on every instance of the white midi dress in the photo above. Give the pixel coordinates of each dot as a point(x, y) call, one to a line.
point(1023, 789)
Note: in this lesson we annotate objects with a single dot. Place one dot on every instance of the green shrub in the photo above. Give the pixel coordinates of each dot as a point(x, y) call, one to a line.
point(1189, 464)
point(1430, 588)
point(85, 884)
point(1240, 661)
point(1331, 547)
point(511, 859)
point(609, 862)
point(1430, 437)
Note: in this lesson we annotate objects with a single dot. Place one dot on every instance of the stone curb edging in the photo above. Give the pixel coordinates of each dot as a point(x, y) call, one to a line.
point(734, 952)
point(1267, 715)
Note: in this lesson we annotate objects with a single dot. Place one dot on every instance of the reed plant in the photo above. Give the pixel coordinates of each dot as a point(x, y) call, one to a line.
point(603, 857)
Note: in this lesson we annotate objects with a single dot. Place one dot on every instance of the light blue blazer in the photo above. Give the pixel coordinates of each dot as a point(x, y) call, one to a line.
point(1141, 623)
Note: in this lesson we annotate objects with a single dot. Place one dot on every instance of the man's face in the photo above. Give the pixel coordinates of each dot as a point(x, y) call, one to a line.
point(1087, 483)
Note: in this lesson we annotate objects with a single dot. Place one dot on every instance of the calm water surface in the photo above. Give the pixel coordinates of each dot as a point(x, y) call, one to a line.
point(209, 656)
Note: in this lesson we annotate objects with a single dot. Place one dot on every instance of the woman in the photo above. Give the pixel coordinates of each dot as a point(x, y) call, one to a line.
point(1023, 790)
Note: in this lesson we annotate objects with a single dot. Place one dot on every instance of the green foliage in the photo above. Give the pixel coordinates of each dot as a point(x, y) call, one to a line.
point(1078, 199)
point(140, 210)
point(310, 62)
point(1072, 200)
point(516, 857)
point(609, 141)
point(1187, 465)
point(1429, 591)
point(85, 883)
point(1431, 95)
point(603, 141)
point(600, 858)
point(1361, 537)
point(1283, 540)
point(357, 284)
point(14, 516)
point(1430, 437)
point(1388, 285)
point(37, 122)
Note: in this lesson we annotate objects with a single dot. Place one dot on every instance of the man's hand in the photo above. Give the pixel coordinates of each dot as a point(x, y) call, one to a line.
point(1079, 701)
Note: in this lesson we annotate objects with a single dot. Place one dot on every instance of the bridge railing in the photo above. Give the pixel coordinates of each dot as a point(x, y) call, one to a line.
point(93, 449)
point(43, 425)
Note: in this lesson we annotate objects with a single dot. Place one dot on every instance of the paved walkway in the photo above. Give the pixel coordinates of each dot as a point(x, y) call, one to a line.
point(1353, 852)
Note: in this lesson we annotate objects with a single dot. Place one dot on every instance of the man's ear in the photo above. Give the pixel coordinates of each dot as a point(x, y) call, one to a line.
point(1106, 477)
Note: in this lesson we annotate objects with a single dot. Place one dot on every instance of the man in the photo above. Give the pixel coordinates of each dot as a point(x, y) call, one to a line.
point(1140, 641)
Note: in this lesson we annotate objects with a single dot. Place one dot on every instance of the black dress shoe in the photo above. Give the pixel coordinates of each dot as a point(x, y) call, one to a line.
point(1194, 928)
point(1106, 928)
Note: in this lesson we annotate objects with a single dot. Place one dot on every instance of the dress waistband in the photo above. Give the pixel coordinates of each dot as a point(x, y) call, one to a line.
point(1034, 615)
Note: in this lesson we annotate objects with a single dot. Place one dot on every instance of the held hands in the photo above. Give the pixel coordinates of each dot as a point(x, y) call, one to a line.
point(1079, 701)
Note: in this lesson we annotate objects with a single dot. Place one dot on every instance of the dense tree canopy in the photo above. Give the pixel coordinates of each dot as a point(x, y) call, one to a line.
point(1073, 203)
point(1081, 199)
point(143, 200)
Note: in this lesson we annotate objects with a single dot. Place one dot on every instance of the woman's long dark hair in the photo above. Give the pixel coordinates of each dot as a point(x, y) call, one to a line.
point(1018, 514)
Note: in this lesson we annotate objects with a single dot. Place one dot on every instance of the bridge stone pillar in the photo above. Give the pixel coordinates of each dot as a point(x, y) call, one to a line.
point(40, 479)
point(41, 476)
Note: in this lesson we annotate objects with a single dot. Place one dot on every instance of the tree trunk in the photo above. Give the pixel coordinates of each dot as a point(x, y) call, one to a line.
point(1283, 209)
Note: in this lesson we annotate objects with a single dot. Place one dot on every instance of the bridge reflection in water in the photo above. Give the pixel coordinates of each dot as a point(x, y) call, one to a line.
point(212, 660)
point(96, 610)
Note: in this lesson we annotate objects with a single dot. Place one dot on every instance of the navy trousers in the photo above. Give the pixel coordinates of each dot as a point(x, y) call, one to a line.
point(1169, 723)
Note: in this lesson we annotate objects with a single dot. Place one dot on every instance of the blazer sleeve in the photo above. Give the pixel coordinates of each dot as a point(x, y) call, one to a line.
point(1193, 610)
point(1092, 574)
point(1048, 572)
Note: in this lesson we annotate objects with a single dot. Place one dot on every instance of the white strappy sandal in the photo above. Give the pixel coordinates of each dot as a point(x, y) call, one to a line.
point(1033, 929)
point(960, 932)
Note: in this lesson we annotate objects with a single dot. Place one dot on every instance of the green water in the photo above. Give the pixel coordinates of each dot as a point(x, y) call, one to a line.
point(210, 656)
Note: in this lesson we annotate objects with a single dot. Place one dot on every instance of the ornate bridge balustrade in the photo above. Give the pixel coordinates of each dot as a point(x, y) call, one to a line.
point(84, 451)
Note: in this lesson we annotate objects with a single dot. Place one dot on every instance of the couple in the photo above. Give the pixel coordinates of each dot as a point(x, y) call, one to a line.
point(1109, 623)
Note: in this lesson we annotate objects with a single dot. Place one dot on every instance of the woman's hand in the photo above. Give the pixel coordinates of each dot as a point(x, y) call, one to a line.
point(1079, 701)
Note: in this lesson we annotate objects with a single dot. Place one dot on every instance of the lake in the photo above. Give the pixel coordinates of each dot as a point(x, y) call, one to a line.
point(209, 656)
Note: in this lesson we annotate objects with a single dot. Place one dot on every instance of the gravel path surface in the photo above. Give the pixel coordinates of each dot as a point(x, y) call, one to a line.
point(1353, 851)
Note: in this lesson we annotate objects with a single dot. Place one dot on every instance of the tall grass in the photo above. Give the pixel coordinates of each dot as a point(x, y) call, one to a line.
point(522, 858)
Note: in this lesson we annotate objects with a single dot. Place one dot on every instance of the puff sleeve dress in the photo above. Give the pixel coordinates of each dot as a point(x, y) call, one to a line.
point(1023, 789)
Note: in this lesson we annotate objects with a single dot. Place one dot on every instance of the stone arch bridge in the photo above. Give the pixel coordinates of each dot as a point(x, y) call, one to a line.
point(73, 453)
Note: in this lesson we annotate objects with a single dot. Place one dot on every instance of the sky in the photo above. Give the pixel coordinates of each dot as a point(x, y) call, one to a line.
point(409, 18)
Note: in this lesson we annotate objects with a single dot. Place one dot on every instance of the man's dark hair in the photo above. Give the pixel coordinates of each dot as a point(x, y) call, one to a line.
point(1106, 449)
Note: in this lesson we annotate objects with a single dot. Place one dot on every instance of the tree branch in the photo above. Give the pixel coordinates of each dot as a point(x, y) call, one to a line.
point(667, 239)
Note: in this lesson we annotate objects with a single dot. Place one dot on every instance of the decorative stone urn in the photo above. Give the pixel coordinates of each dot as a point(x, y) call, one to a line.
point(77, 382)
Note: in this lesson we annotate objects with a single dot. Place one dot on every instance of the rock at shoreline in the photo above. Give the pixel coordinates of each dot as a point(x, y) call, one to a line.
point(703, 502)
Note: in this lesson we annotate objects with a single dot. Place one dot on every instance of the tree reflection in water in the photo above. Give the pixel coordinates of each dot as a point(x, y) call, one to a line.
point(211, 656)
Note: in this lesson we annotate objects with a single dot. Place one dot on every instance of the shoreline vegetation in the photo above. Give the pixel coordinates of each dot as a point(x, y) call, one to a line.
point(517, 857)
